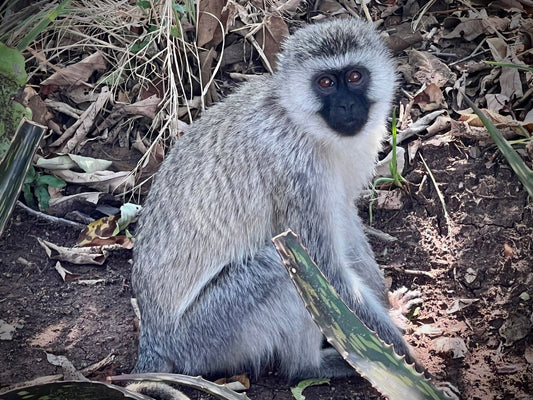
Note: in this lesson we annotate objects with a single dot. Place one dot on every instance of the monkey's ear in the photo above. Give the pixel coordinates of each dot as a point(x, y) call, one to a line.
point(372, 358)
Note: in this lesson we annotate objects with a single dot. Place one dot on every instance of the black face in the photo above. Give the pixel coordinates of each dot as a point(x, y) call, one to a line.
point(343, 94)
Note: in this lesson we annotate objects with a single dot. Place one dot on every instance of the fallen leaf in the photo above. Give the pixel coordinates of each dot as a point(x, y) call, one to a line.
point(515, 328)
point(74, 74)
point(102, 228)
point(6, 330)
point(77, 255)
point(69, 161)
point(237, 383)
point(430, 98)
point(104, 181)
point(65, 274)
point(429, 69)
point(454, 346)
point(69, 371)
point(210, 22)
point(429, 330)
point(383, 168)
point(129, 213)
point(508, 250)
point(388, 199)
point(460, 304)
point(274, 31)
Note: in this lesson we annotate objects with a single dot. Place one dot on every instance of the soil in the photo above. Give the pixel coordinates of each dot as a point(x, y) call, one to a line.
point(482, 252)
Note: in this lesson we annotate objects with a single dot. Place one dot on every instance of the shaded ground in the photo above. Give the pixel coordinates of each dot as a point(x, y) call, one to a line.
point(466, 259)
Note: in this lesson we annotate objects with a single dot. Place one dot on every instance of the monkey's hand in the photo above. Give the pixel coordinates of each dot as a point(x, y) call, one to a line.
point(402, 302)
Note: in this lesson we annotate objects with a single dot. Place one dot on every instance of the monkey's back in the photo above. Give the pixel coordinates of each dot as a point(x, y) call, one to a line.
point(211, 201)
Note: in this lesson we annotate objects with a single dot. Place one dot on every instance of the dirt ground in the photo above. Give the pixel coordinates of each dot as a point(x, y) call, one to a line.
point(484, 253)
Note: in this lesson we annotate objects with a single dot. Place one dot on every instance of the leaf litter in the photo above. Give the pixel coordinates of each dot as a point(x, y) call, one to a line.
point(120, 85)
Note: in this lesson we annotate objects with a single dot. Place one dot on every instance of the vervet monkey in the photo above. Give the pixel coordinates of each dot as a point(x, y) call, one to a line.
point(290, 150)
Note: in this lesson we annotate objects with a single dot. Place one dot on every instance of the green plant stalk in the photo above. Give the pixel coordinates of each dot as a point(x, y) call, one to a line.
point(509, 65)
point(15, 165)
point(515, 161)
point(41, 26)
point(360, 347)
point(396, 179)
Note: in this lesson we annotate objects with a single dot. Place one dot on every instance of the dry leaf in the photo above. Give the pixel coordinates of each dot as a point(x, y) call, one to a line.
point(65, 274)
point(78, 255)
point(274, 31)
point(460, 304)
point(454, 346)
point(430, 69)
point(388, 199)
point(428, 330)
point(528, 354)
point(6, 330)
point(383, 168)
point(102, 228)
point(74, 74)
point(430, 98)
point(210, 22)
point(104, 181)
point(508, 250)
point(515, 328)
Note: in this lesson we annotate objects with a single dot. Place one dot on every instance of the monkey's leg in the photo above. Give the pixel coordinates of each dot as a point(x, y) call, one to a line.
point(248, 317)
point(152, 357)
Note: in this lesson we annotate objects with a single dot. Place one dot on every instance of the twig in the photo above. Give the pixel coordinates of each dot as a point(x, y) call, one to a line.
point(383, 236)
point(473, 55)
point(439, 194)
point(50, 218)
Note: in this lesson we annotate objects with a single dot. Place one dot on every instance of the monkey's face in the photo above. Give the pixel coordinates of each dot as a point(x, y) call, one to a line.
point(336, 80)
point(342, 93)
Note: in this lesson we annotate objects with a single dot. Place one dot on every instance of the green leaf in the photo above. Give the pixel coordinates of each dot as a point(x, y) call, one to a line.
point(361, 348)
point(12, 67)
point(509, 65)
point(515, 161)
point(31, 176)
point(43, 197)
point(297, 391)
point(179, 8)
point(145, 5)
point(45, 21)
point(28, 196)
point(50, 180)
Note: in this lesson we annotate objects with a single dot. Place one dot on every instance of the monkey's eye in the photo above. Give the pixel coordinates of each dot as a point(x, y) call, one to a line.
point(326, 82)
point(354, 76)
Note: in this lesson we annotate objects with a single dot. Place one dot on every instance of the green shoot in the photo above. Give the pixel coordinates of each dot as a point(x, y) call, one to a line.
point(396, 179)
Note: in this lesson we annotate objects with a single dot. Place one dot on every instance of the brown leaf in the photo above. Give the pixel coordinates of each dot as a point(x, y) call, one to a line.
point(85, 255)
point(430, 69)
point(455, 346)
point(430, 99)
point(515, 328)
point(102, 228)
point(75, 74)
point(271, 36)
point(209, 23)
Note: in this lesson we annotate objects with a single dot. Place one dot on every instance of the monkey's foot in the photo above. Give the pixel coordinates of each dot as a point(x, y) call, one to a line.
point(402, 302)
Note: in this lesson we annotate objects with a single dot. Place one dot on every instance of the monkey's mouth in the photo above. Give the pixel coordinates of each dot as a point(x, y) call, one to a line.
point(348, 126)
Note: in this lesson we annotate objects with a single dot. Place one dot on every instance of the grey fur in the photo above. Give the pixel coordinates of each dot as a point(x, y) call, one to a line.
point(213, 294)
